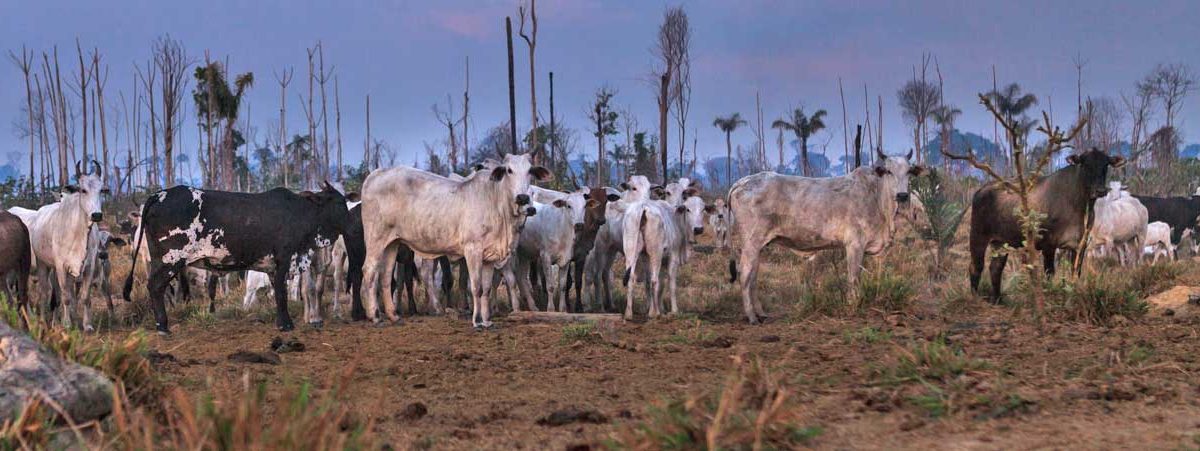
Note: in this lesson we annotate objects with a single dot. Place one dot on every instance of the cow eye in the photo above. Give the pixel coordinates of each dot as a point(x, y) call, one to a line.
point(510, 171)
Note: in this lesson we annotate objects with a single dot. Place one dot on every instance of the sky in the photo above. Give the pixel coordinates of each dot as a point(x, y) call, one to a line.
point(407, 55)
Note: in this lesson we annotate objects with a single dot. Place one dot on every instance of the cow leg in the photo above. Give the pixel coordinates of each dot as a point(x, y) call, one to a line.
point(997, 271)
point(159, 279)
point(561, 275)
point(312, 296)
point(475, 286)
point(428, 273)
point(375, 267)
point(484, 287)
point(978, 252)
point(576, 268)
point(410, 278)
point(389, 303)
point(1048, 261)
point(279, 283)
point(524, 288)
point(546, 273)
point(748, 266)
point(630, 282)
point(655, 265)
point(66, 287)
point(510, 280)
point(672, 275)
point(339, 282)
point(212, 291)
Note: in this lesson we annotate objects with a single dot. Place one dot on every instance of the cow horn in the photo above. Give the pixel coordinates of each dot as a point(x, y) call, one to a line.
point(908, 156)
point(78, 173)
point(99, 172)
point(879, 153)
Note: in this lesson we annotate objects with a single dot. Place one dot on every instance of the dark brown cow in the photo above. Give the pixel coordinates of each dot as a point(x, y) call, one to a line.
point(1062, 196)
point(15, 258)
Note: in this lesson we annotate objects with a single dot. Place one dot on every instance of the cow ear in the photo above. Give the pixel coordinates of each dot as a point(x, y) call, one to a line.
point(117, 241)
point(690, 192)
point(477, 167)
point(587, 196)
point(71, 189)
point(1072, 159)
point(353, 197)
point(105, 191)
point(658, 191)
point(710, 209)
point(540, 173)
point(498, 173)
point(880, 171)
point(591, 203)
point(681, 209)
point(917, 171)
point(559, 203)
point(613, 197)
point(624, 186)
point(1116, 162)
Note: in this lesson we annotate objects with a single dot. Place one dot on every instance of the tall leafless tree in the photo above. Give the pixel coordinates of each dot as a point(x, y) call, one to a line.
point(604, 118)
point(25, 65)
point(918, 98)
point(531, 41)
point(337, 109)
point(674, 36)
point(512, 89)
point(171, 61)
point(1139, 107)
point(84, 78)
point(323, 78)
point(148, 78)
point(1170, 84)
point(451, 121)
point(284, 78)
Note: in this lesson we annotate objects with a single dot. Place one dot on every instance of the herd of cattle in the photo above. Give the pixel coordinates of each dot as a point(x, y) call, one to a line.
point(499, 228)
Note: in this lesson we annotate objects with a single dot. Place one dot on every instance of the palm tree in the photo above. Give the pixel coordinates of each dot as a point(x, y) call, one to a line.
point(1011, 103)
point(728, 125)
point(944, 116)
point(803, 126)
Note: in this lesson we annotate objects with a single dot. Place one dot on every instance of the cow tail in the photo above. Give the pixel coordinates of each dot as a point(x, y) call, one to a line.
point(137, 245)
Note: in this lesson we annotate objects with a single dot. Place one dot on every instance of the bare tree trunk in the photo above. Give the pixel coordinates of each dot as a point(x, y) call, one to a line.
point(337, 109)
point(553, 130)
point(283, 78)
point(664, 103)
point(83, 102)
point(312, 124)
point(324, 114)
point(870, 136)
point(25, 64)
point(367, 154)
point(101, 80)
point(531, 41)
point(512, 89)
point(858, 147)
point(846, 131)
point(466, 155)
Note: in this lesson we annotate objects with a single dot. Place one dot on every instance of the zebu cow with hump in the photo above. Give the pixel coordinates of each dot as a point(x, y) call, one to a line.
point(1120, 225)
point(276, 232)
point(1063, 197)
point(856, 212)
point(610, 237)
point(59, 234)
point(474, 219)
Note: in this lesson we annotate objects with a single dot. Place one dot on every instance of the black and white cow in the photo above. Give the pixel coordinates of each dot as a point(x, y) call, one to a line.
point(276, 232)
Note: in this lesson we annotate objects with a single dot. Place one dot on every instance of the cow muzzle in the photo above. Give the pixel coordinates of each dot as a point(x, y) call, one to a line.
point(530, 211)
point(901, 197)
point(102, 255)
point(523, 199)
point(600, 222)
point(97, 217)
point(578, 227)
point(698, 230)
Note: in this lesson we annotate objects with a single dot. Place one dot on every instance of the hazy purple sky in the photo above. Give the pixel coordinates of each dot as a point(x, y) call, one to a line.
point(409, 54)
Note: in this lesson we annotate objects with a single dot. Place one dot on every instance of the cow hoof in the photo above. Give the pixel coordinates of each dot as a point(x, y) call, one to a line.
point(316, 324)
point(286, 328)
point(163, 333)
point(89, 329)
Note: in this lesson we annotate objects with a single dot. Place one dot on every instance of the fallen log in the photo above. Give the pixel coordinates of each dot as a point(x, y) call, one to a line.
point(29, 372)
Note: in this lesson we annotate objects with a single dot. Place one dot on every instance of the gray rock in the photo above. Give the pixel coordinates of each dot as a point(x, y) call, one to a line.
point(28, 371)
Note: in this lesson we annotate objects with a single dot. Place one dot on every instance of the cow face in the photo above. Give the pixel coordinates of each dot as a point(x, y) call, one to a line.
point(1093, 170)
point(87, 193)
point(335, 217)
point(692, 212)
point(637, 188)
point(895, 171)
point(597, 203)
point(103, 240)
point(515, 172)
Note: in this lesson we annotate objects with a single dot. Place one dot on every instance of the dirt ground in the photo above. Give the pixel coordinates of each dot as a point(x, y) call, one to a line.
point(434, 383)
point(1132, 385)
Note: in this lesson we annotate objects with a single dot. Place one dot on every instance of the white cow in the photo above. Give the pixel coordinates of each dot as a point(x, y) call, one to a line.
point(59, 235)
point(472, 219)
point(255, 281)
point(1158, 241)
point(856, 212)
point(659, 231)
point(718, 220)
point(1120, 224)
point(548, 238)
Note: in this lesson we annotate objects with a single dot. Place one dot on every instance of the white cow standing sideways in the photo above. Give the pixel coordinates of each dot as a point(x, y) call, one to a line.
point(856, 212)
point(59, 232)
point(473, 219)
point(1158, 241)
point(1120, 224)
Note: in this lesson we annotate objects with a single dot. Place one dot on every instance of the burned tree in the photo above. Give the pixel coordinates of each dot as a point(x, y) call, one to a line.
point(674, 36)
point(170, 59)
point(604, 119)
point(25, 64)
point(530, 38)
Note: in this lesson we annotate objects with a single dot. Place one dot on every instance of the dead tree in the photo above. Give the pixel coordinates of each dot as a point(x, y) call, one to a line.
point(25, 64)
point(845, 130)
point(101, 81)
point(531, 41)
point(323, 78)
point(451, 121)
point(312, 120)
point(84, 78)
point(283, 78)
point(553, 130)
point(466, 113)
point(170, 59)
point(1022, 183)
point(148, 78)
point(337, 112)
point(367, 144)
point(512, 90)
point(674, 36)
point(1171, 83)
